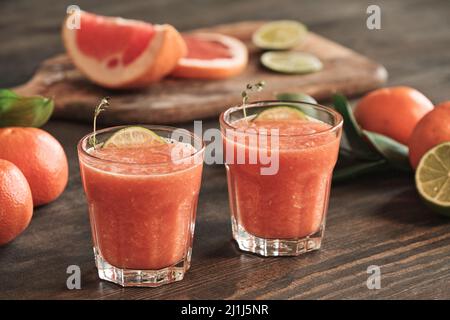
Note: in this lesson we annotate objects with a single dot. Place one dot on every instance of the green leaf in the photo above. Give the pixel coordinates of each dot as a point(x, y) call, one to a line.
point(393, 151)
point(24, 111)
point(6, 93)
point(352, 130)
point(359, 169)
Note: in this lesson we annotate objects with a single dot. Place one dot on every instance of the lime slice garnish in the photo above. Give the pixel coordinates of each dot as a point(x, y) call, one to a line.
point(280, 35)
point(133, 136)
point(291, 62)
point(296, 96)
point(433, 178)
point(281, 113)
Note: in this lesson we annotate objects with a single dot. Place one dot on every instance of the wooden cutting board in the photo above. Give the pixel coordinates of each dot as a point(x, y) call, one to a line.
point(180, 100)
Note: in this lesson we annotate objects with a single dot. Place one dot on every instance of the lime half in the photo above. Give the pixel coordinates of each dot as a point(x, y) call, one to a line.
point(291, 62)
point(281, 113)
point(133, 136)
point(433, 178)
point(280, 35)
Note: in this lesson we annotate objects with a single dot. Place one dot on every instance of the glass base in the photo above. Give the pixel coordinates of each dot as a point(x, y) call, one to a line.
point(275, 247)
point(141, 278)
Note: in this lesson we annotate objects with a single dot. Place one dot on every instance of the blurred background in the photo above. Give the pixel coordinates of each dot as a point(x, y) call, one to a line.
point(413, 43)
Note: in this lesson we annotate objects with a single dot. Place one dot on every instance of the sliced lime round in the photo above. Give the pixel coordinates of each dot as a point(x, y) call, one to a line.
point(433, 178)
point(291, 62)
point(280, 35)
point(133, 136)
point(281, 113)
point(296, 96)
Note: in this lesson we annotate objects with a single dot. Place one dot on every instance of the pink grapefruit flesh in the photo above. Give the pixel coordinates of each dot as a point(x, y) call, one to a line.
point(120, 53)
point(205, 50)
point(129, 41)
point(211, 56)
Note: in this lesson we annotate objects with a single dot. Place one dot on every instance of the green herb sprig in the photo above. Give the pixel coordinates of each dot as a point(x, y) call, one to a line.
point(102, 106)
point(256, 87)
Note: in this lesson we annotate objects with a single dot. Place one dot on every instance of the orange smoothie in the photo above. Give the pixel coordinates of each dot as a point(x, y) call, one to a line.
point(142, 205)
point(292, 203)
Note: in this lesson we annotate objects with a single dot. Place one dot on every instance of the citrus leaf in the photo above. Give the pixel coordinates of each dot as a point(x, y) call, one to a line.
point(7, 98)
point(43, 109)
point(24, 111)
point(395, 152)
point(6, 93)
point(352, 130)
point(359, 169)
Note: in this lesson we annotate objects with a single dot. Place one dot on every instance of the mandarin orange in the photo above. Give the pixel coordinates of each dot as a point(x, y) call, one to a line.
point(41, 159)
point(393, 112)
point(16, 204)
point(432, 129)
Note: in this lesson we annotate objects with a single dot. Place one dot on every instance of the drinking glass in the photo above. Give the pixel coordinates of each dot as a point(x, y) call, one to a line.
point(279, 213)
point(142, 207)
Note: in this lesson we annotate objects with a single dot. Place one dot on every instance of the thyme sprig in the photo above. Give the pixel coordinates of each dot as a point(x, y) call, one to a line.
point(102, 106)
point(256, 87)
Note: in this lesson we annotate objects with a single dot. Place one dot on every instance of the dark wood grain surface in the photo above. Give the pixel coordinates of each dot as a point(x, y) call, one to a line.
point(377, 220)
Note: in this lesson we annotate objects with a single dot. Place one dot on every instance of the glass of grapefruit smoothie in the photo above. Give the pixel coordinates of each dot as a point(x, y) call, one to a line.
point(142, 185)
point(278, 207)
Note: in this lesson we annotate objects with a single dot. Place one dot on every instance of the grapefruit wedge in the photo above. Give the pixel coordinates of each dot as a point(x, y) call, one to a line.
point(119, 53)
point(211, 56)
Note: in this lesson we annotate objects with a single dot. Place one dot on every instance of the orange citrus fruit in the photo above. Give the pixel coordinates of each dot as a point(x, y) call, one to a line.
point(212, 56)
point(393, 112)
point(120, 53)
point(16, 204)
point(41, 159)
point(432, 129)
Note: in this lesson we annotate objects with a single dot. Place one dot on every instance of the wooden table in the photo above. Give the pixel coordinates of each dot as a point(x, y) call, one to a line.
point(378, 220)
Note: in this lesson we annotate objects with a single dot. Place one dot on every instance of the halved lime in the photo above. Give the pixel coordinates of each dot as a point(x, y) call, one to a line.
point(433, 178)
point(132, 136)
point(291, 62)
point(281, 113)
point(279, 35)
point(296, 96)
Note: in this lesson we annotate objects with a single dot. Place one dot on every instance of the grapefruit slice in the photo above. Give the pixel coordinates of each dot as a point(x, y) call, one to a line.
point(211, 56)
point(121, 53)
